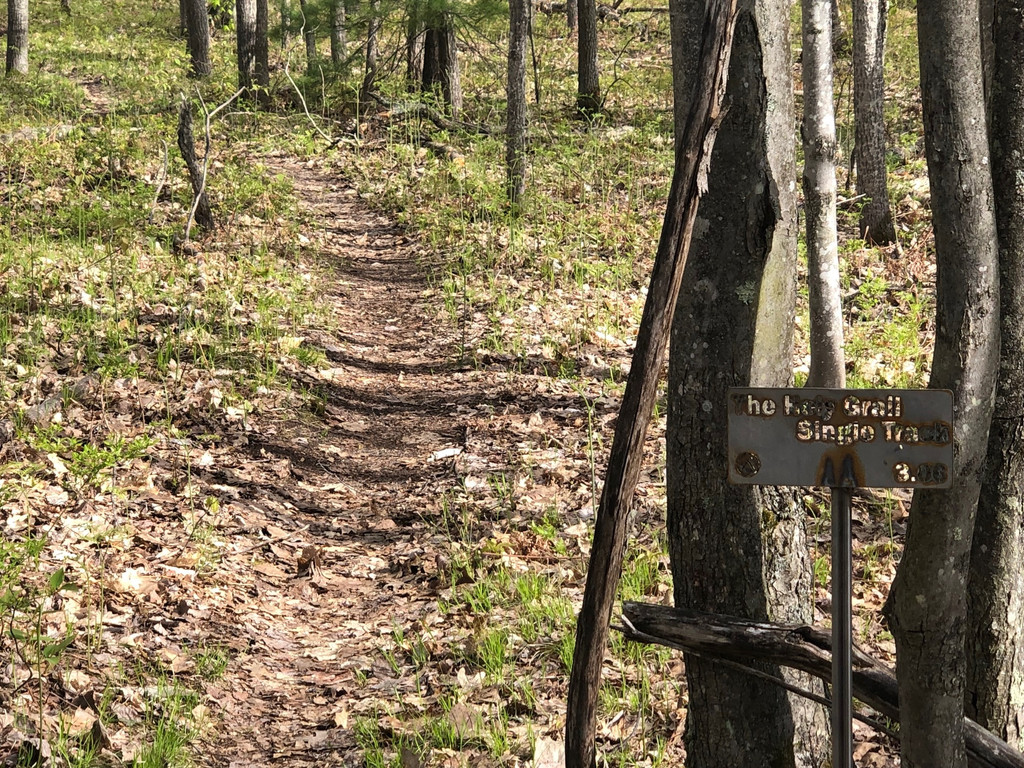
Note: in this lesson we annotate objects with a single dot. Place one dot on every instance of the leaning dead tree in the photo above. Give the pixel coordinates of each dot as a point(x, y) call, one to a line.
point(689, 180)
point(200, 211)
point(745, 643)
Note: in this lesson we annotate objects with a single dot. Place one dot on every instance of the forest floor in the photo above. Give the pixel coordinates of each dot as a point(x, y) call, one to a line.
point(376, 562)
point(318, 488)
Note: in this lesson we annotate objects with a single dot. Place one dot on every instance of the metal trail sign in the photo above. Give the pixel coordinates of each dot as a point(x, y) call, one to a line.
point(843, 439)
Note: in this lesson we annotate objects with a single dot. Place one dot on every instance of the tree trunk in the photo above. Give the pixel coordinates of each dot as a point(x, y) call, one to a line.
point(828, 364)
point(448, 58)
point(198, 22)
point(840, 33)
point(245, 43)
point(262, 62)
point(339, 36)
point(17, 36)
point(588, 95)
point(876, 224)
point(927, 607)
point(309, 37)
point(414, 48)
point(440, 61)
point(612, 523)
point(995, 602)
point(515, 115)
point(370, 71)
point(286, 22)
point(739, 549)
point(572, 12)
point(182, 18)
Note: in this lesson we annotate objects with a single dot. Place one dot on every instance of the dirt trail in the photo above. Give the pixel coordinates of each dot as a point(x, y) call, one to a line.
point(359, 480)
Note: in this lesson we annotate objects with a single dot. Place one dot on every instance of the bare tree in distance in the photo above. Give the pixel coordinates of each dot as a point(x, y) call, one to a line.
point(17, 37)
point(876, 223)
point(515, 115)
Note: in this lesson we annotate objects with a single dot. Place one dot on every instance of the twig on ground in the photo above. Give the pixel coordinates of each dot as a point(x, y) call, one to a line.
point(160, 185)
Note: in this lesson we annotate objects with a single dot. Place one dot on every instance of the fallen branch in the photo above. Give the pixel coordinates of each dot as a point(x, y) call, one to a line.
point(419, 109)
point(804, 648)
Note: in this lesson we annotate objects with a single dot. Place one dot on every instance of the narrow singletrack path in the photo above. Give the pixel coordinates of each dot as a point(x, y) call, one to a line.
point(338, 509)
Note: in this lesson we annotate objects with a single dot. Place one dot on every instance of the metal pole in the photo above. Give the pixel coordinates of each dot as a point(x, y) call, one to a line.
point(842, 629)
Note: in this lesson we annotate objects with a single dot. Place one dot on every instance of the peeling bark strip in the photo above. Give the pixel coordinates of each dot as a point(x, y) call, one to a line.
point(693, 154)
point(799, 647)
point(187, 145)
point(927, 606)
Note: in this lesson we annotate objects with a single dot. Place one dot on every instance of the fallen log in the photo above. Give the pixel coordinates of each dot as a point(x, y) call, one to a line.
point(799, 647)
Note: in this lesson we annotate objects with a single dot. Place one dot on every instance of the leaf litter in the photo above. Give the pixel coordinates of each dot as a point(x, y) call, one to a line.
point(360, 544)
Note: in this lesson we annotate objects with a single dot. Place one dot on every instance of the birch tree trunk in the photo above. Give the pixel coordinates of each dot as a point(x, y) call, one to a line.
point(927, 607)
point(995, 592)
point(738, 550)
point(515, 115)
point(876, 225)
point(828, 364)
point(17, 37)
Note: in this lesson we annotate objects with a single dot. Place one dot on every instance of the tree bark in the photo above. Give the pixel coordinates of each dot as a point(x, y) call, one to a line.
point(448, 57)
point(876, 224)
point(572, 14)
point(692, 156)
point(441, 62)
point(515, 114)
point(828, 363)
point(198, 22)
point(339, 35)
point(927, 607)
point(995, 603)
point(733, 549)
point(588, 94)
point(262, 63)
point(245, 43)
point(17, 37)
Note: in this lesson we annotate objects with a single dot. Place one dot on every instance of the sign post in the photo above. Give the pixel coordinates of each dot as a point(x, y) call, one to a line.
point(842, 439)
